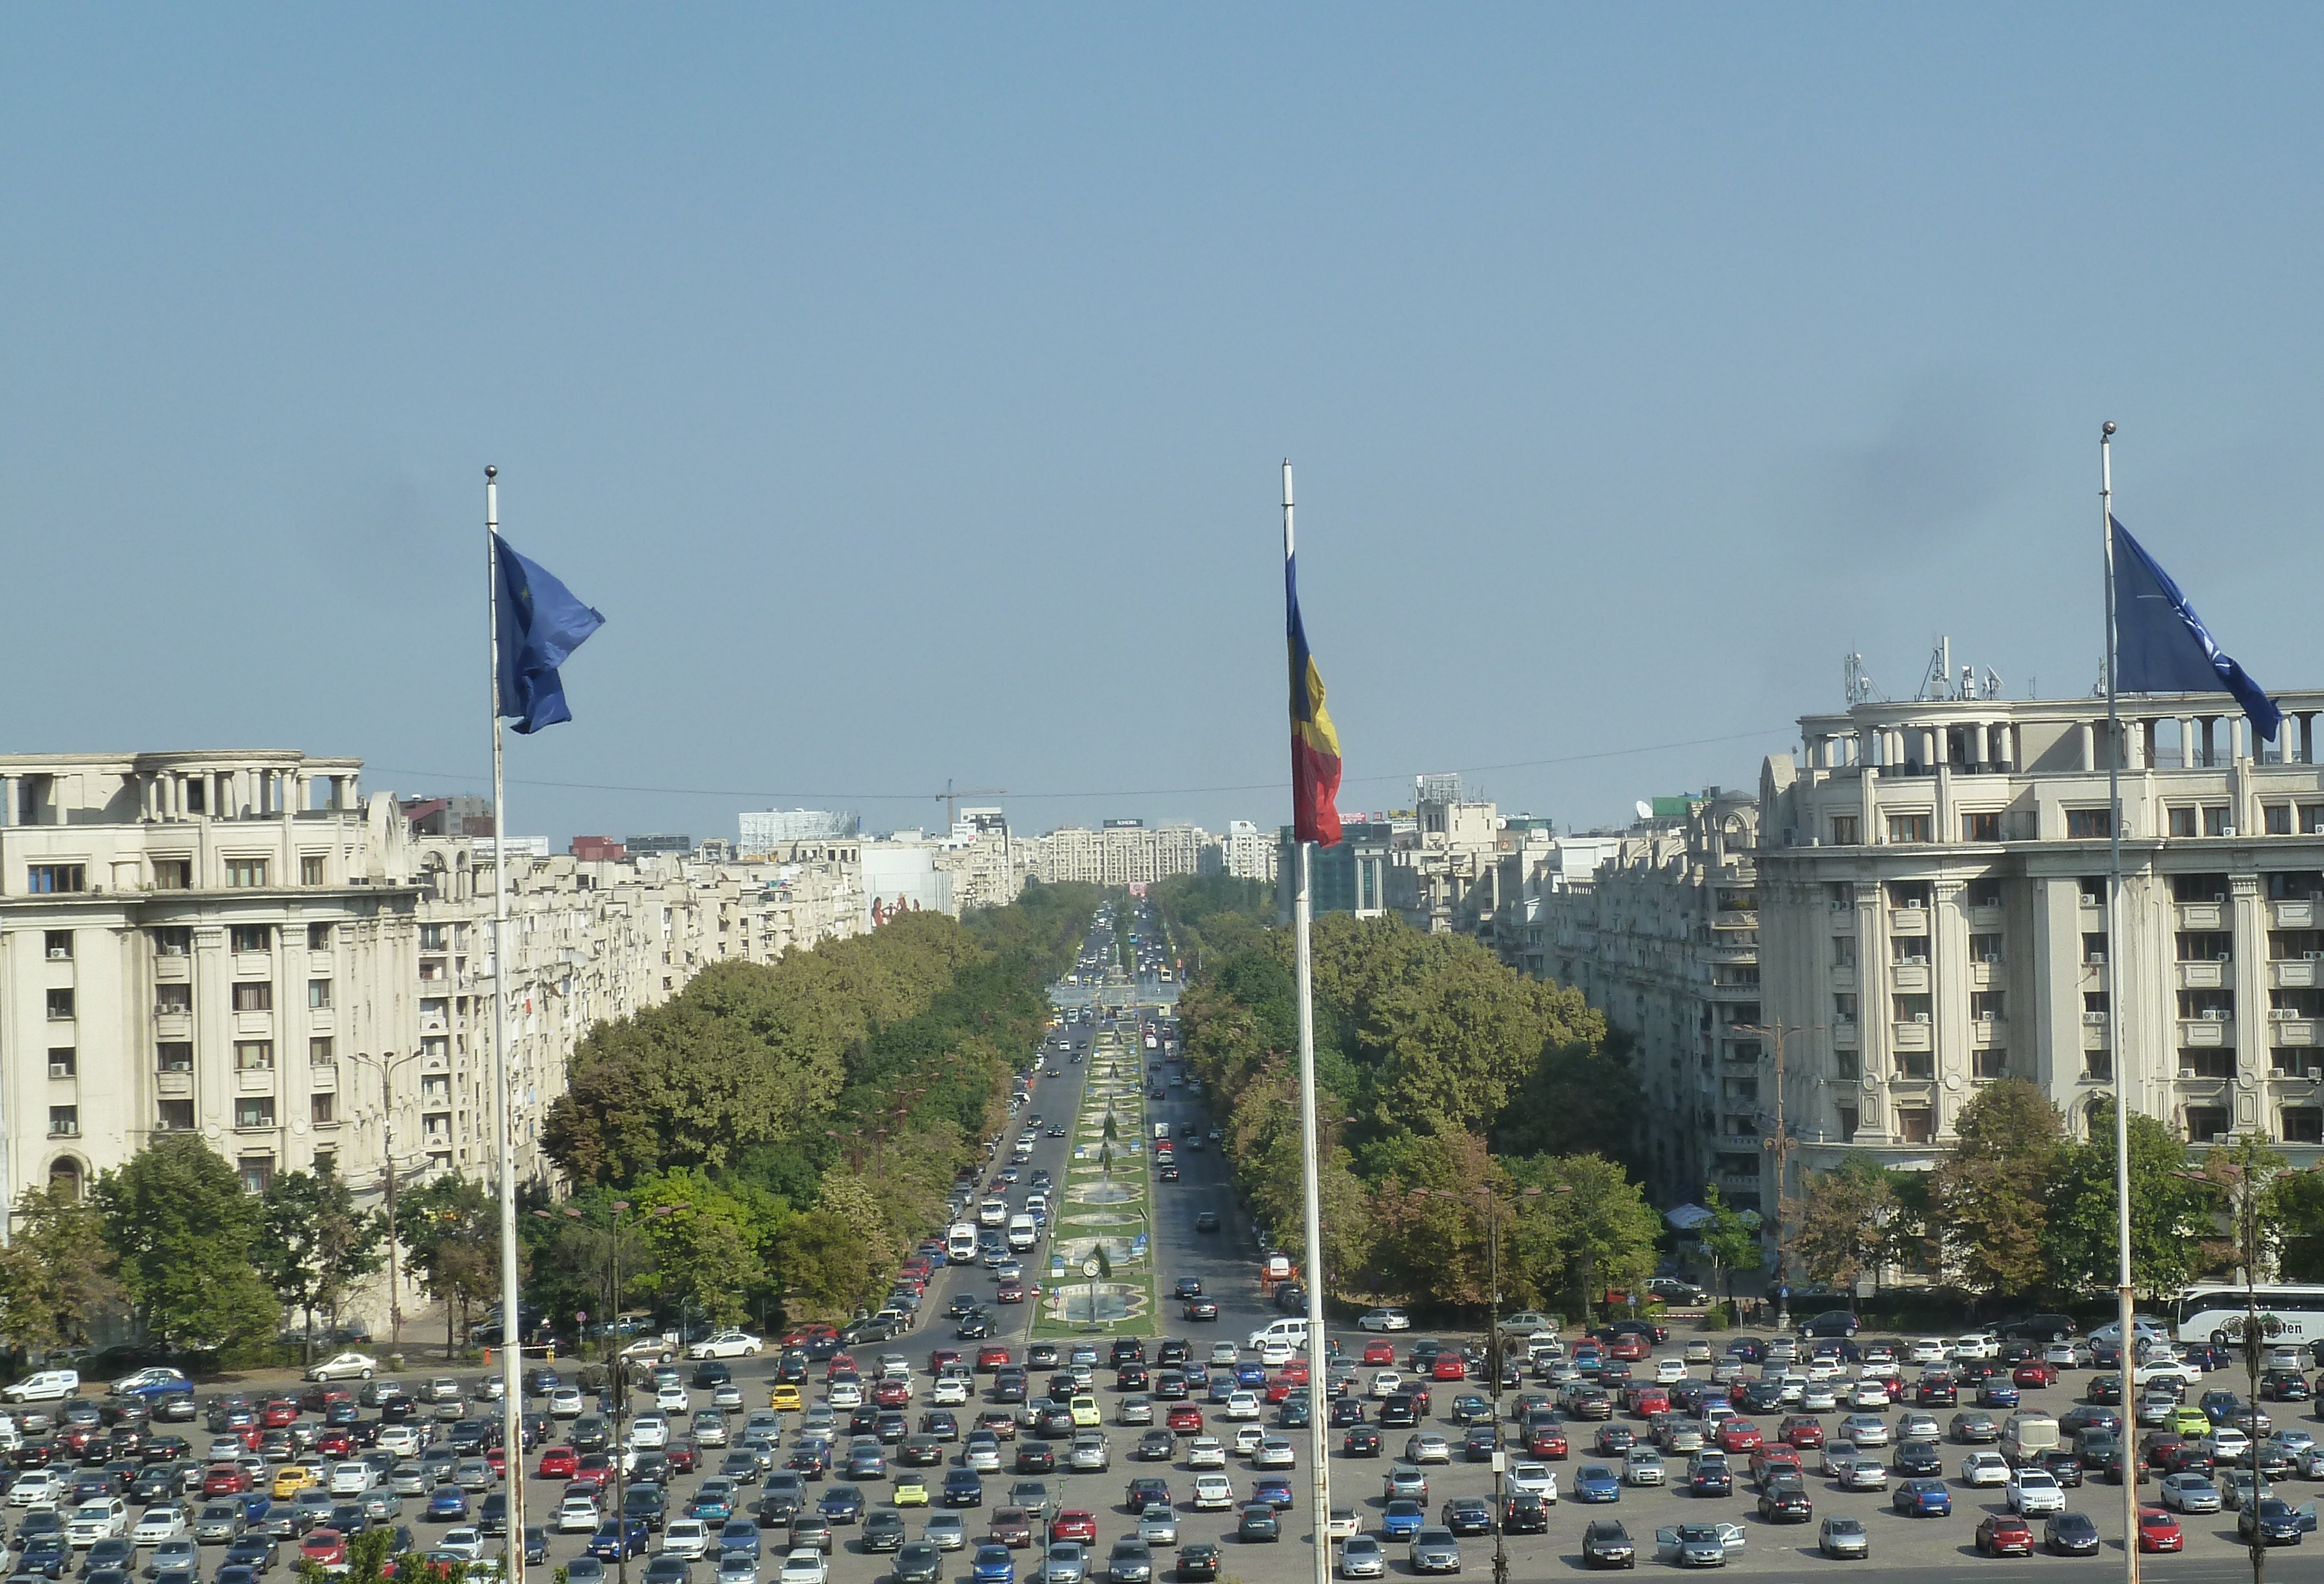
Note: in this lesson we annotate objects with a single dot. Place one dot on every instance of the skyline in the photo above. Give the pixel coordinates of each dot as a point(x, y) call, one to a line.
point(907, 390)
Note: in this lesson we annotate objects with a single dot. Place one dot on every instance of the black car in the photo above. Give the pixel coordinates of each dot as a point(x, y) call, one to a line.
point(2064, 1465)
point(1036, 1456)
point(1198, 1561)
point(1524, 1513)
point(962, 1489)
point(2071, 1534)
point(1258, 1524)
point(1918, 1460)
point(1187, 1287)
point(973, 1326)
point(918, 1564)
point(1208, 1221)
point(1361, 1442)
point(1605, 1544)
point(884, 1530)
point(1785, 1500)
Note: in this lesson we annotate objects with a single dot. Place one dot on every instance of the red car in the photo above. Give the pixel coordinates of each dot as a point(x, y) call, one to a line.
point(1802, 1431)
point(940, 1357)
point(2004, 1534)
point(280, 1413)
point(2159, 1530)
point(808, 1333)
point(1739, 1435)
point(2037, 1373)
point(1184, 1419)
point(325, 1548)
point(594, 1469)
point(1295, 1372)
point(1547, 1441)
point(498, 1458)
point(1010, 1292)
point(226, 1480)
point(1628, 1346)
point(559, 1463)
point(1074, 1523)
point(1770, 1456)
point(841, 1364)
point(683, 1456)
point(1448, 1366)
point(1380, 1352)
point(335, 1443)
point(892, 1393)
point(1647, 1401)
point(990, 1358)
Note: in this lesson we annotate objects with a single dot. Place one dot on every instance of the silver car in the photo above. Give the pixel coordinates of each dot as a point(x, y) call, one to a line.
point(1844, 1537)
point(1362, 1557)
point(1090, 1454)
point(1159, 1524)
point(1067, 1564)
point(1435, 1551)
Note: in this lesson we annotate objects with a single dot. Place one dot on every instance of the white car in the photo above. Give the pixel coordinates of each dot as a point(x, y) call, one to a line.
point(1214, 1493)
point(402, 1440)
point(2172, 1370)
point(576, 1514)
point(949, 1391)
point(1698, 1546)
point(649, 1431)
point(1535, 1479)
point(44, 1385)
point(2034, 1492)
point(564, 1403)
point(353, 1479)
point(1275, 1352)
point(1975, 1345)
point(38, 1487)
point(345, 1366)
point(1427, 1447)
point(685, 1537)
point(1927, 1350)
point(1985, 1469)
point(1820, 1397)
point(672, 1399)
point(804, 1566)
point(1669, 1371)
point(1275, 1452)
point(104, 1519)
point(727, 1344)
point(1245, 1439)
point(1643, 1466)
point(158, 1523)
point(1385, 1384)
point(1385, 1320)
point(1206, 1451)
point(1869, 1394)
point(1241, 1405)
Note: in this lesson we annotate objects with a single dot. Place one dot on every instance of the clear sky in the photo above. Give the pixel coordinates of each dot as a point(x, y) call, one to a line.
point(908, 384)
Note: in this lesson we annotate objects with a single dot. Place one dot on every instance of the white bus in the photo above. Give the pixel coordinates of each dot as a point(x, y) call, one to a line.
point(2217, 1314)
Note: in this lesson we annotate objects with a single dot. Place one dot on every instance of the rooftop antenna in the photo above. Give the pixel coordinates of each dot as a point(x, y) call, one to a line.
point(1855, 683)
point(1936, 682)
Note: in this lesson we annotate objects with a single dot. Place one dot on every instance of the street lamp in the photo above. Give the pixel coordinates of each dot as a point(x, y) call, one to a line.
point(386, 1066)
point(1493, 1363)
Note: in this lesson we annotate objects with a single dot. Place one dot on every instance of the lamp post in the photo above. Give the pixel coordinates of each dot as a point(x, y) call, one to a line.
point(1493, 1364)
point(386, 1066)
point(1779, 1144)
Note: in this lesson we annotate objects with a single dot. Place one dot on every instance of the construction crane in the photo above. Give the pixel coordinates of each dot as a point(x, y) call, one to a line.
point(950, 799)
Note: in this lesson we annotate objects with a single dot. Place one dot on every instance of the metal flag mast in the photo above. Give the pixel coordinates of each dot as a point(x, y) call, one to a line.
point(2115, 1023)
point(1320, 1476)
point(505, 1111)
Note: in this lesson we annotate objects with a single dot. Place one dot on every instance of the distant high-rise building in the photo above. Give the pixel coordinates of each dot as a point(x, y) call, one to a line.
point(659, 846)
point(763, 830)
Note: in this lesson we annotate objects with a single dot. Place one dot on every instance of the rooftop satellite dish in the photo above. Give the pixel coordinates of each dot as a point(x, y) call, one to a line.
point(1645, 810)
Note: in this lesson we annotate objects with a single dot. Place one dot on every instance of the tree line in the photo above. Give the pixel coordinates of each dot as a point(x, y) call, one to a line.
point(783, 1134)
point(1444, 1077)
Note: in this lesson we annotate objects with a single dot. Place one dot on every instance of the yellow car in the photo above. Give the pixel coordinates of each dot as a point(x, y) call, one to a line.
point(911, 1490)
point(290, 1479)
point(785, 1395)
point(1085, 1414)
point(2191, 1422)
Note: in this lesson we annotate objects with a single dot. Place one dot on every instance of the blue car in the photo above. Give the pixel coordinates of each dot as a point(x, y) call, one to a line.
point(842, 1504)
point(254, 1504)
point(1924, 1499)
point(962, 1489)
point(1275, 1490)
point(714, 1503)
point(2000, 1392)
point(447, 1504)
point(605, 1544)
point(1197, 1373)
point(1250, 1373)
point(1402, 1519)
point(740, 1536)
point(1595, 1482)
point(993, 1565)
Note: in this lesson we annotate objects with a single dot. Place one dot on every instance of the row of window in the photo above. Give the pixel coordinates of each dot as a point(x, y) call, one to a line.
point(2083, 824)
point(2280, 885)
point(174, 874)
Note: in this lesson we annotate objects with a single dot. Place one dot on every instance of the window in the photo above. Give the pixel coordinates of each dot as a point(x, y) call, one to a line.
point(1908, 949)
point(2094, 1002)
point(2215, 821)
point(2097, 1066)
point(318, 1108)
point(1921, 1064)
point(1981, 827)
point(2285, 1004)
point(257, 1172)
point(1908, 827)
point(253, 995)
point(1985, 1006)
point(319, 937)
point(1985, 948)
point(2209, 1004)
point(169, 1000)
point(2276, 818)
point(1913, 1124)
point(64, 1121)
point(2182, 820)
point(1989, 1063)
point(57, 944)
point(173, 1055)
point(1908, 893)
point(174, 1115)
point(1843, 1007)
point(2311, 818)
point(173, 874)
point(310, 868)
point(2082, 824)
point(1843, 951)
point(1985, 893)
point(2094, 891)
point(1844, 832)
point(2303, 1125)
point(174, 941)
point(1847, 1125)
point(2206, 1124)
point(2186, 889)
point(254, 1055)
point(431, 937)
point(318, 994)
point(2201, 1062)
point(1850, 1068)
point(246, 871)
point(321, 1052)
point(253, 1111)
point(61, 1005)
point(254, 937)
point(2094, 947)
point(1911, 1008)
point(63, 1062)
point(45, 878)
point(2205, 945)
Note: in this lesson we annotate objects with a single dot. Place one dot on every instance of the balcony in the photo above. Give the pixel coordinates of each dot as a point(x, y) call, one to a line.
point(435, 1022)
point(174, 1084)
point(172, 968)
point(1738, 1141)
point(1908, 921)
point(1984, 975)
point(253, 964)
point(322, 965)
point(2292, 914)
point(2291, 1031)
point(2205, 1031)
point(1989, 1030)
point(1735, 918)
point(2299, 973)
point(253, 1025)
point(1844, 979)
point(1734, 992)
point(2204, 976)
point(2094, 1031)
point(1985, 918)
point(2201, 915)
point(1844, 1035)
point(325, 1079)
point(254, 1080)
point(174, 1023)
point(1910, 978)
point(1738, 1182)
point(1910, 1036)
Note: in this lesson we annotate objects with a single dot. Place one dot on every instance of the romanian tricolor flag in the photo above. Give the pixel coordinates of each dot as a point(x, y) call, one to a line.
point(1314, 745)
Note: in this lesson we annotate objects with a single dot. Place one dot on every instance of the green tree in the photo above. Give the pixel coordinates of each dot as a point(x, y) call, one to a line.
point(1992, 1194)
point(2170, 1216)
point(186, 1236)
point(450, 1232)
point(56, 1272)
point(1589, 1229)
point(705, 1249)
point(314, 1243)
point(1845, 1219)
point(1732, 1239)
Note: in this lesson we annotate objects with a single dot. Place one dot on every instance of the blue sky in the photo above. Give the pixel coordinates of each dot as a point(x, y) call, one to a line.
point(907, 385)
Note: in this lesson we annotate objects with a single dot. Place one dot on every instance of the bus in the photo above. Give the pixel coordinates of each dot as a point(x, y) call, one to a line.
point(2215, 1313)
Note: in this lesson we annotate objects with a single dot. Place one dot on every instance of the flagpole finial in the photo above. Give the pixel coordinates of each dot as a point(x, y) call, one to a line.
point(493, 472)
point(2106, 430)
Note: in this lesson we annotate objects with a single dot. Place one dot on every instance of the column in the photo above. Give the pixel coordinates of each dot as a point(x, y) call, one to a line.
point(1977, 750)
point(2086, 734)
point(8, 785)
point(1875, 1054)
point(1949, 1024)
point(2248, 914)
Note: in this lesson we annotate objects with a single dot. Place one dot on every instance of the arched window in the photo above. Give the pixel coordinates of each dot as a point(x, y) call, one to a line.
point(65, 1173)
point(2097, 1118)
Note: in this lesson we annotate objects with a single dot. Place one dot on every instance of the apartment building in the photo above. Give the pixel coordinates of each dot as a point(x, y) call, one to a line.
point(1121, 852)
point(1443, 869)
point(1932, 888)
point(1244, 851)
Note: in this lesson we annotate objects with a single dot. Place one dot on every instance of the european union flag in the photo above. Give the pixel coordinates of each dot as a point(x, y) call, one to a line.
point(540, 626)
point(2162, 645)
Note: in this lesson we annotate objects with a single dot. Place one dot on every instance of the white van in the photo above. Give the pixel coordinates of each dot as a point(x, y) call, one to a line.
point(959, 1244)
point(1292, 1329)
point(1023, 1233)
point(2026, 1436)
point(992, 1212)
point(47, 1385)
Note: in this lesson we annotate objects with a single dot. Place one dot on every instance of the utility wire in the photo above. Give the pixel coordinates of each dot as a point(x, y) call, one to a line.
point(755, 795)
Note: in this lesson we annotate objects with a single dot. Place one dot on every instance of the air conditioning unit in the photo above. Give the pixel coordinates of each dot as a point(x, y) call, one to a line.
point(2094, 1018)
point(1992, 957)
point(2096, 959)
point(2226, 956)
point(61, 1069)
point(2315, 830)
point(2281, 1014)
point(1920, 1017)
point(2313, 956)
point(2186, 1071)
point(2316, 1074)
point(2227, 830)
point(59, 954)
point(2214, 1014)
point(2218, 897)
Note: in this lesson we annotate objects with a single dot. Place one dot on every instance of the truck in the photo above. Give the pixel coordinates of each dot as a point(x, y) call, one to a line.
point(1161, 1131)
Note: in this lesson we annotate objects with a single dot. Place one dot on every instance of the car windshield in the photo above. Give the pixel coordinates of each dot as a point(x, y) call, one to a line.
point(1691, 1533)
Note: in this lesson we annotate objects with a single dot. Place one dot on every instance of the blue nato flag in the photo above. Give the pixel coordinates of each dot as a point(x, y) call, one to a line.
point(2162, 645)
point(540, 626)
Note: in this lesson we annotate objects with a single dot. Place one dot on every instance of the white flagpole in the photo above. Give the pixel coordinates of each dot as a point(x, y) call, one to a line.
point(1320, 1474)
point(504, 1108)
point(2115, 1022)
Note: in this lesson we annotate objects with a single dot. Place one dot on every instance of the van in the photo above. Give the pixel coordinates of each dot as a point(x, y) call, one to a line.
point(992, 1212)
point(1274, 1269)
point(1292, 1330)
point(1161, 1130)
point(1022, 1232)
point(2025, 1437)
point(959, 1244)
